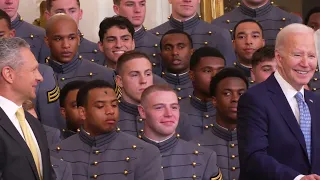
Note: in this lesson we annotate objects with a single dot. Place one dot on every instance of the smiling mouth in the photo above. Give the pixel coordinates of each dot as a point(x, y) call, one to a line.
point(301, 72)
point(118, 52)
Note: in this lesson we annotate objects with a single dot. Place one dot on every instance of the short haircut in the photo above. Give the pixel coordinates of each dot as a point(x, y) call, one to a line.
point(263, 54)
point(10, 52)
point(116, 2)
point(245, 21)
point(155, 88)
point(73, 85)
point(312, 11)
point(226, 73)
point(118, 21)
point(204, 52)
point(6, 17)
point(83, 93)
point(49, 3)
point(176, 31)
point(128, 56)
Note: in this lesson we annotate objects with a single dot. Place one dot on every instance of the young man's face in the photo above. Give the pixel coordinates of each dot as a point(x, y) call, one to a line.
point(10, 7)
point(69, 7)
point(228, 92)
point(248, 39)
point(133, 10)
point(135, 76)
point(5, 32)
point(70, 111)
point(161, 114)
point(263, 70)
point(203, 72)
point(116, 41)
point(314, 21)
point(183, 9)
point(176, 53)
point(101, 113)
point(63, 40)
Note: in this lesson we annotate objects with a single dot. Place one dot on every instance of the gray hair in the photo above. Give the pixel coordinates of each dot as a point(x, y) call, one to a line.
point(289, 30)
point(10, 52)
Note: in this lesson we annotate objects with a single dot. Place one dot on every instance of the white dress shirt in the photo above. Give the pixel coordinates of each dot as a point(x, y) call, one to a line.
point(10, 108)
point(290, 92)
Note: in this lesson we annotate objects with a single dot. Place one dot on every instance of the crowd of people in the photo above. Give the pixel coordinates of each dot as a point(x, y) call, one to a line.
point(233, 99)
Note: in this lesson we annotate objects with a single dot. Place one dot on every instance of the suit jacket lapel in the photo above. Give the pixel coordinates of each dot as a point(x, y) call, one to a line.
point(282, 104)
point(7, 125)
point(315, 144)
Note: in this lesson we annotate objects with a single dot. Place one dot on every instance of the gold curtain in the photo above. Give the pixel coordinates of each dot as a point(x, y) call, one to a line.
point(211, 9)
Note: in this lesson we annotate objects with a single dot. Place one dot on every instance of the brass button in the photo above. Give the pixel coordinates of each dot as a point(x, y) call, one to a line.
point(62, 79)
point(163, 73)
point(280, 29)
point(314, 89)
point(161, 167)
point(140, 120)
point(317, 70)
point(154, 64)
point(283, 19)
point(81, 34)
point(233, 157)
point(196, 152)
point(97, 152)
point(206, 43)
point(141, 130)
point(179, 98)
point(125, 172)
point(233, 168)
point(210, 32)
point(80, 57)
point(232, 145)
point(199, 144)
point(92, 60)
point(134, 147)
point(231, 30)
point(78, 130)
point(156, 45)
point(207, 127)
point(211, 125)
point(95, 176)
point(235, 63)
point(178, 135)
point(91, 74)
point(145, 28)
point(140, 137)
point(95, 51)
point(157, 33)
point(228, 21)
point(199, 16)
point(154, 55)
point(315, 79)
point(194, 164)
point(58, 148)
point(21, 19)
point(194, 176)
point(168, 17)
point(31, 35)
point(207, 116)
point(118, 130)
point(179, 89)
point(95, 163)
point(190, 96)
point(272, 2)
point(127, 159)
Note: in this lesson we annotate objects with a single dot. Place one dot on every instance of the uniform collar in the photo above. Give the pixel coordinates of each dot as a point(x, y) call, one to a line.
point(188, 24)
point(67, 67)
point(98, 141)
point(200, 105)
point(224, 133)
point(139, 34)
point(245, 69)
point(16, 22)
point(81, 36)
point(261, 11)
point(128, 107)
point(164, 145)
point(176, 79)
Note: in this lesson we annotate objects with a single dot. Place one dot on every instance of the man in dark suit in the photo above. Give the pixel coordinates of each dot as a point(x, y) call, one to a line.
point(24, 152)
point(278, 119)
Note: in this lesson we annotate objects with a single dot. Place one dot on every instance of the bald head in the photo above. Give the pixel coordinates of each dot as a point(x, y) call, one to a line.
point(59, 19)
point(292, 29)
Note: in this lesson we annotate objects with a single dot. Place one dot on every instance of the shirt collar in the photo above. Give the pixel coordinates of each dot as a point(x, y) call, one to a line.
point(158, 141)
point(287, 89)
point(9, 107)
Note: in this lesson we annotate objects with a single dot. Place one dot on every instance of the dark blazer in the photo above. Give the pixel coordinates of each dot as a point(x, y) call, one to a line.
point(271, 144)
point(16, 161)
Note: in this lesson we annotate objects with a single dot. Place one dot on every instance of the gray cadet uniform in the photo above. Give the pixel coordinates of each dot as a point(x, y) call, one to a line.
point(182, 84)
point(271, 18)
point(65, 133)
point(147, 42)
point(62, 170)
point(80, 69)
point(34, 36)
point(90, 50)
point(246, 71)
point(53, 135)
point(314, 83)
point(225, 144)
point(130, 121)
point(47, 100)
point(114, 155)
point(201, 115)
point(185, 160)
point(202, 34)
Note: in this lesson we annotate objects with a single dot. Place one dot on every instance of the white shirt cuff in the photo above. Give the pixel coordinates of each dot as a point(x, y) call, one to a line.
point(299, 177)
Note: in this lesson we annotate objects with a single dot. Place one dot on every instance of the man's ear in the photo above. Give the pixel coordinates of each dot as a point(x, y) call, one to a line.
point(46, 40)
point(8, 74)
point(191, 75)
point(47, 15)
point(214, 101)
point(63, 112)
point(12, 33)
point(119, 81)
point(142, 112)
point(100, 45)
point(116, 9)
point(82, 113)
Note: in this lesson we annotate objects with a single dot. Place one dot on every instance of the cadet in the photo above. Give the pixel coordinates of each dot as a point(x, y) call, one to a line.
point(87, 49)
point(176, 50)
point(67, 64)
point(263, 64)
point(62, 170)
point(226, 88)
point(100, 150)
point(185, 18)
point(313, 18)
point(272, 18)
point(247, 38)
point(47, 93)
point(204, 64)
point(32, 34)
point(180, 159)
point(69, 109)
point(146, 42)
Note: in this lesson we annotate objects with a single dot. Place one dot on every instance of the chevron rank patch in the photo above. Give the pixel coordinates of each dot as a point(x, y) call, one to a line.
point(218, 176)
point(53, 95)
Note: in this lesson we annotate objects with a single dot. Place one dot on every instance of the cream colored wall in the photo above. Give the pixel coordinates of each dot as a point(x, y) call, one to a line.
point(96, 10)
